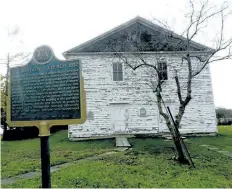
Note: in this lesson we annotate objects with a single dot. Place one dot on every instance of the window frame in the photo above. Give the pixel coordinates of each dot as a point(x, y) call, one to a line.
point(163, 72)
point(113, 72)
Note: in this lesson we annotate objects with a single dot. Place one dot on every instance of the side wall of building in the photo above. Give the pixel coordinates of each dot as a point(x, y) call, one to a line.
point(104, 95)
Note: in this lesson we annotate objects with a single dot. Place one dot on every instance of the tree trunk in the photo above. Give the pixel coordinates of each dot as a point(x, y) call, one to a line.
point(4, 130)
point(175, 134)
point(6, 95)
point(180, 157)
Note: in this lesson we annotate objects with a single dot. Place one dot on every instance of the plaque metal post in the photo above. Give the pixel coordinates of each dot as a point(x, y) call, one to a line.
point(44, 133)
point(43, 62)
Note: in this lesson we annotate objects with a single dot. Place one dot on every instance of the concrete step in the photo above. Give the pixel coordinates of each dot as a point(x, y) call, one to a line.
point(122, 142)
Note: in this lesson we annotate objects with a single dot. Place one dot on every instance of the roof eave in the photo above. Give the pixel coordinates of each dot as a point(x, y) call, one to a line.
point(148, 52)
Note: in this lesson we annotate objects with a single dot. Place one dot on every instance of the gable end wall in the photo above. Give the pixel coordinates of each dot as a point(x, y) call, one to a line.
point(134, 94)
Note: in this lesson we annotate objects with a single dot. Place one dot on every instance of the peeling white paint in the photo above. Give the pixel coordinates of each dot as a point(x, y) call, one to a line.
point(102, 92)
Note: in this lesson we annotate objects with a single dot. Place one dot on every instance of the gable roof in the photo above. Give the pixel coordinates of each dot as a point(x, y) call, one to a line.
point(147, 31)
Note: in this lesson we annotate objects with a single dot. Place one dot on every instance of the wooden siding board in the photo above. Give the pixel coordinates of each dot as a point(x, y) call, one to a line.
point(101, 91)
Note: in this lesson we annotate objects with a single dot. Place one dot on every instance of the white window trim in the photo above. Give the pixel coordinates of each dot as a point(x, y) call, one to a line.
point(112, 71)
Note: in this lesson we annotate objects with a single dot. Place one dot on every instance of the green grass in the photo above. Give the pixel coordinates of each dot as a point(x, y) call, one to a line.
point(223, 140)
point(149, 164)
point(19, 157)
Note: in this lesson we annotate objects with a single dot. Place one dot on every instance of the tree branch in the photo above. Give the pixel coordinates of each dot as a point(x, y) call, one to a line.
point(178, 89)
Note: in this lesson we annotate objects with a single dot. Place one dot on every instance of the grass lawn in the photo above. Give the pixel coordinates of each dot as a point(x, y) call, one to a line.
point(148, 164)
point(223, 140)
point(19, 157)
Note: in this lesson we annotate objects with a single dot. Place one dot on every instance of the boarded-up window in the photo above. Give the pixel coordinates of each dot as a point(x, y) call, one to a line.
point(162, 67)
point(142, 112)
point(117, 72)
point(90, 115)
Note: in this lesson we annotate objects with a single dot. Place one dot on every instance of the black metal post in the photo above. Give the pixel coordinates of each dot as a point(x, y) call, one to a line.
point(45, 161)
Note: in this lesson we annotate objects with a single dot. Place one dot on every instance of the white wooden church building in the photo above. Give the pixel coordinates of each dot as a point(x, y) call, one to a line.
point(120, 101)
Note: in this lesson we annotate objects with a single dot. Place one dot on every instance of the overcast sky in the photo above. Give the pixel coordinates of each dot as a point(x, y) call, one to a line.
point(64, 24)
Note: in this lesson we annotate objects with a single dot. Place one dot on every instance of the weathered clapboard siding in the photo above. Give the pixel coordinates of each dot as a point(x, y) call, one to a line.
point(102, 92)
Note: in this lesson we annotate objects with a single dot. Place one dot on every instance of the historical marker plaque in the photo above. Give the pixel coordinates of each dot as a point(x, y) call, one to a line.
point(46, 90)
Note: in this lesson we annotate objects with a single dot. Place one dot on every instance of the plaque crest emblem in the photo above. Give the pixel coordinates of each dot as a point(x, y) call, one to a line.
point(42, 54)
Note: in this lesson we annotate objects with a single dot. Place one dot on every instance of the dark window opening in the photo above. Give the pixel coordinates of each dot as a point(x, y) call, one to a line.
point(162, 68)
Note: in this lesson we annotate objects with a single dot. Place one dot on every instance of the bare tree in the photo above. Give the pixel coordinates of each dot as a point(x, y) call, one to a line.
point(10, 60)
point(198, 17)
